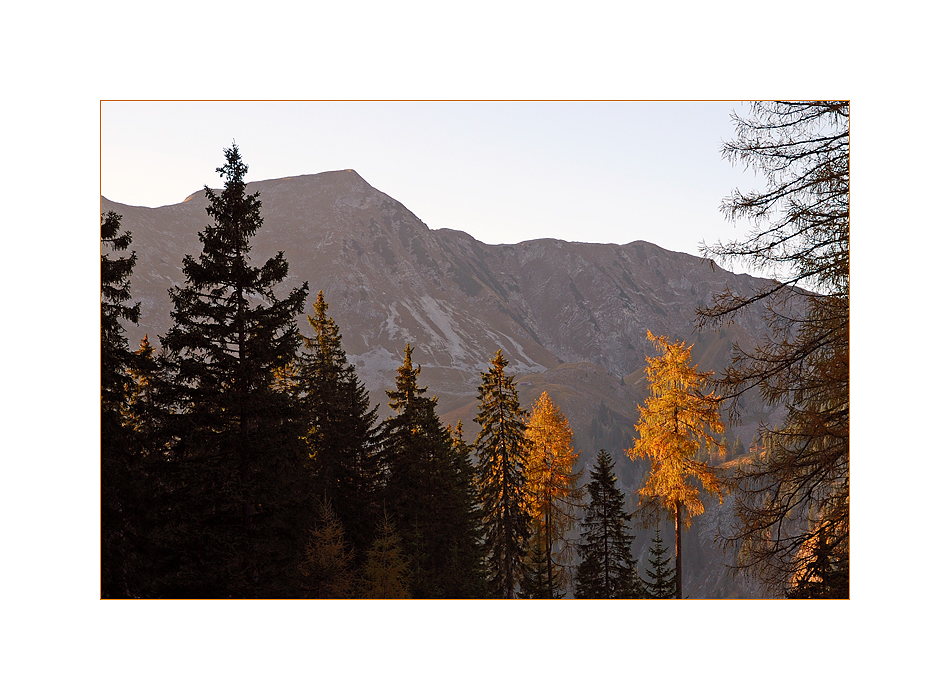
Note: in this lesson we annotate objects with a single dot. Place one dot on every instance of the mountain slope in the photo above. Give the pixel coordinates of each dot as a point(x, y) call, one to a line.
point(570, 317)
point(390, 280)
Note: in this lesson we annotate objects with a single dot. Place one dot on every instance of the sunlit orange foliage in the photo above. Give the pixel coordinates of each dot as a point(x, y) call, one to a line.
point(553, 493)
point(676, 418)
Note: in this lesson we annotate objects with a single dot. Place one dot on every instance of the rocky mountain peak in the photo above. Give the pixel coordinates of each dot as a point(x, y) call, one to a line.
point(570, 317)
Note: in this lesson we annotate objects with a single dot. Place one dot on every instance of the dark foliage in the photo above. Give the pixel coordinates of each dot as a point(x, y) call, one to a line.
point(240, 497)
point(119, 524)
point(342, 437)
point(659, 580)
point(796, 493)
point(607, 568)
point(425, 492)
point(501, 449)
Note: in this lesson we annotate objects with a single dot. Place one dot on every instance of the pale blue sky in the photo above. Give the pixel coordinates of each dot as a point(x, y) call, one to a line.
point(501, 171)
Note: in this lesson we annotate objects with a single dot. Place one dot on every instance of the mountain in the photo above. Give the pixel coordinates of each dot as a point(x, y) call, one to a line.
point(570, 317)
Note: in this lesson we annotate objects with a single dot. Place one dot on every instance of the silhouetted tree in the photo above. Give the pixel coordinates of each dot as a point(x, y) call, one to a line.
point(468, 559)
point(423, 492)
point(607, 568)
point(539, 580)
point(342, 438)
point(242, 495)
point(147, 416)
point(501, 449)
point(659, 580)
point(798, 491)
point(824, 572)
point(118, 467)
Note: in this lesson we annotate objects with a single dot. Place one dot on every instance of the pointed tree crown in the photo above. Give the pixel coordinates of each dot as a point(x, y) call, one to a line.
point(675, 420)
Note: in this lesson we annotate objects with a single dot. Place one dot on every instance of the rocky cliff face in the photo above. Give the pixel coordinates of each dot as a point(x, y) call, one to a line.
point(570, 317)
point(390, 280)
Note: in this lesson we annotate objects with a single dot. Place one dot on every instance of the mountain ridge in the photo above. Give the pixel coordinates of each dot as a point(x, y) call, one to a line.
point(571, 317)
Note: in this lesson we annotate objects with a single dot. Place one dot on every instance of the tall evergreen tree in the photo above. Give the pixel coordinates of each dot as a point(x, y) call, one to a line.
point(501, 449)
point(539, 581)
point(342, 438)
point(674, 420)
point(468, 569)
point(553, 494)
point(423, 491)
point(659, 580)
point(115, 287)
point(118, 469)
point(146, 416)
point(607, 568)
point(242, 492)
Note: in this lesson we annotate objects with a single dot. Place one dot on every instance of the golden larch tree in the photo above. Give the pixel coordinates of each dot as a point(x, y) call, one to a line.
point(386, 572)
point(676, 419)
point(553, 494)
point(325, 571)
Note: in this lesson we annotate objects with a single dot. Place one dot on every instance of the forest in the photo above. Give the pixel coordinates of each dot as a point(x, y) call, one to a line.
point(241, 458)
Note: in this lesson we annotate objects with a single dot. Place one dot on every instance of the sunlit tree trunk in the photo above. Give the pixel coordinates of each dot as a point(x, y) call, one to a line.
point(675, 420)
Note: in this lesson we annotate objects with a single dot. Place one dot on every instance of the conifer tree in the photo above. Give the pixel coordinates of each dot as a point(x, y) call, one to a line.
point(115, 291)
point(607, 568)
point(385, 574)
point(824, 572)
point(326, 568)
point(738, 449)
point(676, 418)
point(501, 448)
point(242, 494)
point(149, 400)
point(659, 580)
point(553, 494)
point(798, 492)
point(468, 561)
point(118, 468)
point(538, 580)
point(423, 491)
point(146, 417)
point(342, 438)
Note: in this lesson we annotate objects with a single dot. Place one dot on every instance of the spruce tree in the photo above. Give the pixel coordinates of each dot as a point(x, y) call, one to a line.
point(241, 498)
point(540, 581)
point(607, 568)
point(659, 580)
point(468, 561)
point(824, 572)
point(501, 449)
point(147, 416)
point(115, 287)
point(342, 438)
point(423, 491)
point(118, 467)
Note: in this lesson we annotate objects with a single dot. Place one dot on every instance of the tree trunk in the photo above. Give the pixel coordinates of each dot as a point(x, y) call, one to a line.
point(547, 556)
point(679, 550)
